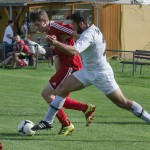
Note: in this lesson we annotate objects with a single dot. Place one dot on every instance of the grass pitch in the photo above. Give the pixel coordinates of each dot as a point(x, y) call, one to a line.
point(112, 127)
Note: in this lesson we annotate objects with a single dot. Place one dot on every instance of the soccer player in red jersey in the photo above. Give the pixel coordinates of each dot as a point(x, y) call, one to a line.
point(65, 66)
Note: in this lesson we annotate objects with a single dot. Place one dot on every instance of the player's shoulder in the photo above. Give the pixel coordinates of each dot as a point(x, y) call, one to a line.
point(88, 32)
point(61, 25)
point(55, 24)
point(95, 31)
point(93, 28)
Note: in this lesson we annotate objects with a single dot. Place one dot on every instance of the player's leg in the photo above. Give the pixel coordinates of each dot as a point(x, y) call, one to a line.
point(87, 109)
point(106, 83)
point(47, 93)
point(59, 100)
point(48, 96)
point(121, 101)
point(62, 91)
point(76, 84)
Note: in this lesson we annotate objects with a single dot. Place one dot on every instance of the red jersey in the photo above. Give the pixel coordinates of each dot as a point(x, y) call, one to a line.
point(22, 46)
point(59, 29)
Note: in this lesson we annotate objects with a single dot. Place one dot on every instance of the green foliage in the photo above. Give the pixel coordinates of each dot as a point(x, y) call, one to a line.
point(112, 127)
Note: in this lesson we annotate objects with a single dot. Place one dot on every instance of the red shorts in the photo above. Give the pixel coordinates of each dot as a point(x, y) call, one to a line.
point(60, 76)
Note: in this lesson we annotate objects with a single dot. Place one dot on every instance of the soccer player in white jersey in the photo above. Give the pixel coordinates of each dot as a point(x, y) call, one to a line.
point(96, 70)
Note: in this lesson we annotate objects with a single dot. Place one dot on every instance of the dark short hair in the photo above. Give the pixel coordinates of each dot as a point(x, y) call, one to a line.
point(10, 21)
point(80, 16)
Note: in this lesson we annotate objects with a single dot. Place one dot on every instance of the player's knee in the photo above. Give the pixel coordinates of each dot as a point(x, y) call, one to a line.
point(47, 96)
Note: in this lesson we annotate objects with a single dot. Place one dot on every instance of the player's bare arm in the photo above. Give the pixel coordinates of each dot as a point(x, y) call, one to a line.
point(70, 50)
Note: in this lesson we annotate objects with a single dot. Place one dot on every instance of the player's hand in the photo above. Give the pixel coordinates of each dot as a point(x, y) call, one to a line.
point(51, 39)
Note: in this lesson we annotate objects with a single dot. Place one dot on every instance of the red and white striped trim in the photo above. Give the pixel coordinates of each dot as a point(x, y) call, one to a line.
point(62, 28)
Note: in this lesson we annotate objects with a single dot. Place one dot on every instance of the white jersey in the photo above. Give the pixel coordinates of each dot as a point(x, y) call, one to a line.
point(8, 30)
point(96, 70)
point(91, 47)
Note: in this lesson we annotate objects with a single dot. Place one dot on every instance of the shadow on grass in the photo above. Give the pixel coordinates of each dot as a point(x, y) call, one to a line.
point(122, 123)
point(11, 68)
point(107, 140)
point(37, 137)
point(19, 115)
point(16, 136)
point(114, 122)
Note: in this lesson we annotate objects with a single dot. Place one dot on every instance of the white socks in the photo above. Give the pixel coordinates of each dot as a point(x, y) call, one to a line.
point(50, 115)
point(56, 104)
point(138, 111)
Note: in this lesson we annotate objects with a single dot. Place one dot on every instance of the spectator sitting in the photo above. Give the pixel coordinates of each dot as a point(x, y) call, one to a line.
point(35, 48)
point(20, 52)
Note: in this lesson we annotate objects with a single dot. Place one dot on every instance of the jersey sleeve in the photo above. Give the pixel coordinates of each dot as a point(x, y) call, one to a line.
point(84, 42)
point(63, 28)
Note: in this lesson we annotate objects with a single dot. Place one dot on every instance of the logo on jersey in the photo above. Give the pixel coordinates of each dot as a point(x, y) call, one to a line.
point(54, 83)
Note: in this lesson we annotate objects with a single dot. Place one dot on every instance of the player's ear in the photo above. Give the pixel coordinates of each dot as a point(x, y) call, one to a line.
point(81, 23)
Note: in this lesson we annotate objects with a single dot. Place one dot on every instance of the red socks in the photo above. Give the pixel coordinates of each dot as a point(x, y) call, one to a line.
point(62, 117)
point(75, 105)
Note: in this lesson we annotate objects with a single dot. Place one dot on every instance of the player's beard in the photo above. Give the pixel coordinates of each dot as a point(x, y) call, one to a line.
point(79, 30)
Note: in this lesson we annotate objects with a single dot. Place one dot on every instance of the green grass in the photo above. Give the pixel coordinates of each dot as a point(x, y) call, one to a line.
point(112, 127)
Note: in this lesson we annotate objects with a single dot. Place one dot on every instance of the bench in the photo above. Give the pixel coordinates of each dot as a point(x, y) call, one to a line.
point(140, 57)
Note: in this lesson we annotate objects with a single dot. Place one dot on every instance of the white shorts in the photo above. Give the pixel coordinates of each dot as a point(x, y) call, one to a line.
point(104, 80)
